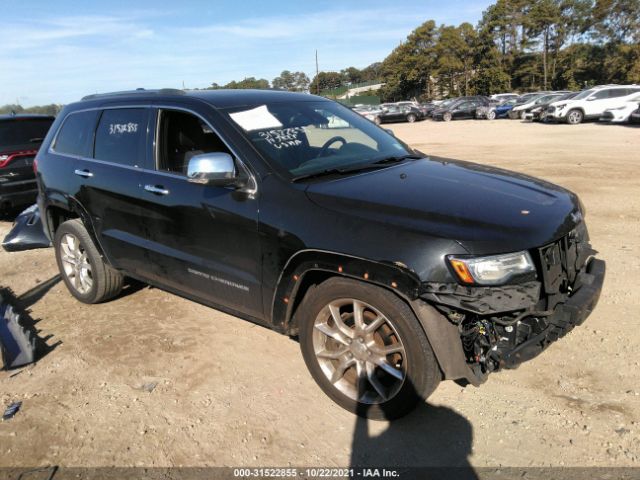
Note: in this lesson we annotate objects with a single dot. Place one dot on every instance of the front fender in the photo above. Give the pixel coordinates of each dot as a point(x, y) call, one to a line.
point(395, 277)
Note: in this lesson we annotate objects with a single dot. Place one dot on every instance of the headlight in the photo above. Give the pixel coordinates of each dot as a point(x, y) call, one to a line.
point(535, 110)
point(560, 106)
point(617, 108)
point(492, 270)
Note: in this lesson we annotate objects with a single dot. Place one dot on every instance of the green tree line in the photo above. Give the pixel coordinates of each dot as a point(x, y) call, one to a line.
point(52, 109)
point(523, 45)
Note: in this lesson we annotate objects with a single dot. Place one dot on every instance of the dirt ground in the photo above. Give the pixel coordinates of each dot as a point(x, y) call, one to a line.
point(230, 393)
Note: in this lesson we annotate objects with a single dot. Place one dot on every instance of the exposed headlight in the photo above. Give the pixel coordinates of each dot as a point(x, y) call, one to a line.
point(491, 270)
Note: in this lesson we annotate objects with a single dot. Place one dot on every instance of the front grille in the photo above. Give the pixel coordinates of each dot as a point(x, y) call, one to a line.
point(551, 109)
point(561, 263)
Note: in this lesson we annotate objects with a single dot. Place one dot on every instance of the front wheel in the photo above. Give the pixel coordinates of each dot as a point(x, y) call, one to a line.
point(85, 274)
point(377, 120)
point(411, 118)
point(447, 117)
point(366, 349)
point(491, 115)
point(574, 117)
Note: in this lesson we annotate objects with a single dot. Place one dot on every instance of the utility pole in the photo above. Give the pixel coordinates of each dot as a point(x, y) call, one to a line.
point(317, 72)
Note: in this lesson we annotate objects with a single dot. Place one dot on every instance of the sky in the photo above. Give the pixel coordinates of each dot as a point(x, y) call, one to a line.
point(58, 51)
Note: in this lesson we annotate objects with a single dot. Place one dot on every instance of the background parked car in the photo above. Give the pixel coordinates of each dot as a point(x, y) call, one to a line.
point(519, 110)
point(502, 110)
point(623, 112)
point(393, 113)
point(538, 104)
point(20, 139)
point(635, 115)
point(591, 103)
point(539, 112)
point(461, 108)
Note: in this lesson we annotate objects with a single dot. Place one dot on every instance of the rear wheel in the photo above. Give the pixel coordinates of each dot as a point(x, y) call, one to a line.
point(491, 115)
point(411, 118)
point(365, 349)
point(377, 120)
point(447, 117)
point(574, 117)
point(84, 272)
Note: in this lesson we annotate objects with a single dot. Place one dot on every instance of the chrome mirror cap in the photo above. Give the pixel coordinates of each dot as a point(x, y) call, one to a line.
point(215, 167)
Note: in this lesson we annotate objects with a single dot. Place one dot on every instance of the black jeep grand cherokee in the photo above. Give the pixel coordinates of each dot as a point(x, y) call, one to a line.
point(395, 269)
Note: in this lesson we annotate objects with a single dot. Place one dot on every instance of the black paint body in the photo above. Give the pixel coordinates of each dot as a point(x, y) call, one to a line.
point(246, 252)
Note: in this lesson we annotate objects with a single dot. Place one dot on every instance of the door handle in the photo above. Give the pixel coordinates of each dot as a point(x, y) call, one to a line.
point(83, 173)
point(157, 189)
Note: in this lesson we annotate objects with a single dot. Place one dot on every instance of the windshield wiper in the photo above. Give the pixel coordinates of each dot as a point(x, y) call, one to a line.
point(338, 171)
point(376, 165)
point(397, 159)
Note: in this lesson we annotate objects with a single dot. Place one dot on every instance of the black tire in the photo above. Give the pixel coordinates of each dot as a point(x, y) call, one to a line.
point(447, 117)
point(575, 117)
point(106, 282)
point(421, 371)
point(411, 118)
point(491, 115)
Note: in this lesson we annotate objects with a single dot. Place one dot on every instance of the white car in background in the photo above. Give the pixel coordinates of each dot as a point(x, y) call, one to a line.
point(622, 112)
point(504, 97)
point(591, 103)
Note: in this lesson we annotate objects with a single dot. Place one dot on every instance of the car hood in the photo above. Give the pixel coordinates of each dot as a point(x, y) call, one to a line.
point(485, 209)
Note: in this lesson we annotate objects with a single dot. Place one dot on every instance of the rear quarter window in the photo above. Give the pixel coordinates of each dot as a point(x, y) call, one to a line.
point(122, 135)
point(76, 134)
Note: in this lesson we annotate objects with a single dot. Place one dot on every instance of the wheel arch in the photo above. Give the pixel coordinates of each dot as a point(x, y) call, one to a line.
point(310, 267)
point(61, 208)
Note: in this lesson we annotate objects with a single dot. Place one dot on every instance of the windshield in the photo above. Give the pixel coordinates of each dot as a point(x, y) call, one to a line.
point(303, 138)
point(548, 98)
point(583, 94)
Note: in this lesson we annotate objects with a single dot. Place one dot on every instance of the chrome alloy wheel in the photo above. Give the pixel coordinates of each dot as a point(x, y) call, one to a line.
point(359, 351)
point(76, 264)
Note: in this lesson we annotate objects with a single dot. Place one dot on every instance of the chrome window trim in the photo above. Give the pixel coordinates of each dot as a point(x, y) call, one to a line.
point(251, 189)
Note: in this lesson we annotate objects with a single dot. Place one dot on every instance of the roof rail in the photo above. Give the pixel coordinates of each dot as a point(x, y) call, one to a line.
point(161, 91)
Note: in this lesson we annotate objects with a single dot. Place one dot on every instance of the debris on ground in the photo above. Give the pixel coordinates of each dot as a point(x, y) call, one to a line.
point(11, 410)
point(17, 344)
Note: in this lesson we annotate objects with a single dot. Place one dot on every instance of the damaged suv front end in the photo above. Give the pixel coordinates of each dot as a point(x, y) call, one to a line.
point(509, 308)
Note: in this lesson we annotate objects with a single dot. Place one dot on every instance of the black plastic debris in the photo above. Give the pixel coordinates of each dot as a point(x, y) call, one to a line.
point(17, 345)
point(11, 410)
point(27, 232)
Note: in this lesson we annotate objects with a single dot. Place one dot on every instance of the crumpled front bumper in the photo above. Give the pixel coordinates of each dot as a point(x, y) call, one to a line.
point(527, 338)
point(565, 317)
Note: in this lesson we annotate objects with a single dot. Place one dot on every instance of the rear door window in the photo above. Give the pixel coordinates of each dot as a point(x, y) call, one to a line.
point(121, 136)
point(76, 134)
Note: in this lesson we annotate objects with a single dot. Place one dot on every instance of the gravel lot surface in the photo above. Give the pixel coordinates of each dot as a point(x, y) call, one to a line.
point(151, 379)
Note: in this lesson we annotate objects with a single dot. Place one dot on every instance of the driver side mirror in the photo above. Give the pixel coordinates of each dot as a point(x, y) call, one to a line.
point(215, 168)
